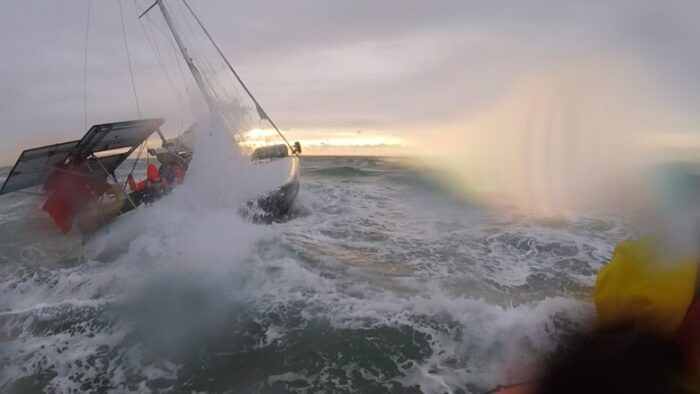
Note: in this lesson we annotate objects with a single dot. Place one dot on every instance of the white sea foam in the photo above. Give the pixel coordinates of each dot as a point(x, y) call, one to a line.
point(364, 256)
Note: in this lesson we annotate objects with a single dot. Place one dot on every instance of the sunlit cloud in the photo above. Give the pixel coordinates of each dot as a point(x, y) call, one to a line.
point(412, 76)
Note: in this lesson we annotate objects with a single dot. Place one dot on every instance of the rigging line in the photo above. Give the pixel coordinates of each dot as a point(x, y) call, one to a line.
point(183, 82)
point(128, 59)
point(196, 51)
point(85, 65)
point(153, 43)
point(231, 96)
point(207, 71)
point(174, 56)
point(180, 85)
point(133, 167)
point(202, 62)
point(258, 106)
point(114, 177)
point(169, 40)
point(154, 48)
point(222, 78)
point(244, 119)
point(225, 95)
point(167, 58)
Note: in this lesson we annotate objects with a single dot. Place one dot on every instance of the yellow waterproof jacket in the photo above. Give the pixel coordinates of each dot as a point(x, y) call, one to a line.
point(641, 286)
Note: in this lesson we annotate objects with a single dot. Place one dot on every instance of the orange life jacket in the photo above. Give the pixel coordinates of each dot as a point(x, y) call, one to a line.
point(152, 177)
point(152, 173)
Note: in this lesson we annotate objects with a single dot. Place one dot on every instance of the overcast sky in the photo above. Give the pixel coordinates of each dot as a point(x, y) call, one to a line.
point(377, 76)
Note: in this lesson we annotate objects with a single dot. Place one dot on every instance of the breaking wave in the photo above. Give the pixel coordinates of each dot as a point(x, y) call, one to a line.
point(379, 286)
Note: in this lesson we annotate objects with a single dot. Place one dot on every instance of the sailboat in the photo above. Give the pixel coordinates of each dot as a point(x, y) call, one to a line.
point(78, 178)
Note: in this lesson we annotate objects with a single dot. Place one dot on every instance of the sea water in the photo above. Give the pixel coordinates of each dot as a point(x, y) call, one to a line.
point(378, 281)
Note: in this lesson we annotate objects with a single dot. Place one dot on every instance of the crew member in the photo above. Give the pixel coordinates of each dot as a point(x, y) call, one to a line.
point(149, 189)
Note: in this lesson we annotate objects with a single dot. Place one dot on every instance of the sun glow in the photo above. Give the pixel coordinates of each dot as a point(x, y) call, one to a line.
point(322, 142)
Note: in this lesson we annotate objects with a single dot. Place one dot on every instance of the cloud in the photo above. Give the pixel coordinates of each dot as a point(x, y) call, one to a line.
point(402, 66)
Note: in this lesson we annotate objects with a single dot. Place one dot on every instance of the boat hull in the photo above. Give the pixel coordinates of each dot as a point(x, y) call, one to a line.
point(114, 238)
point(276, 205)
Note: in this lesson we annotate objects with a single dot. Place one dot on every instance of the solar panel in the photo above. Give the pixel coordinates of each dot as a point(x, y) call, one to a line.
point(110, 163)
point(117, 135)
point(34, 165)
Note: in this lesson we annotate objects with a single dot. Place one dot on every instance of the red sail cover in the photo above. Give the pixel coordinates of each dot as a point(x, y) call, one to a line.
point(69, 191)
point(61, 211)
point(59, 204)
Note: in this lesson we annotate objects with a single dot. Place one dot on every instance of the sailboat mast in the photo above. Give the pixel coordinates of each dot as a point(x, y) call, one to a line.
point(258, 107)
point(190, 63)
